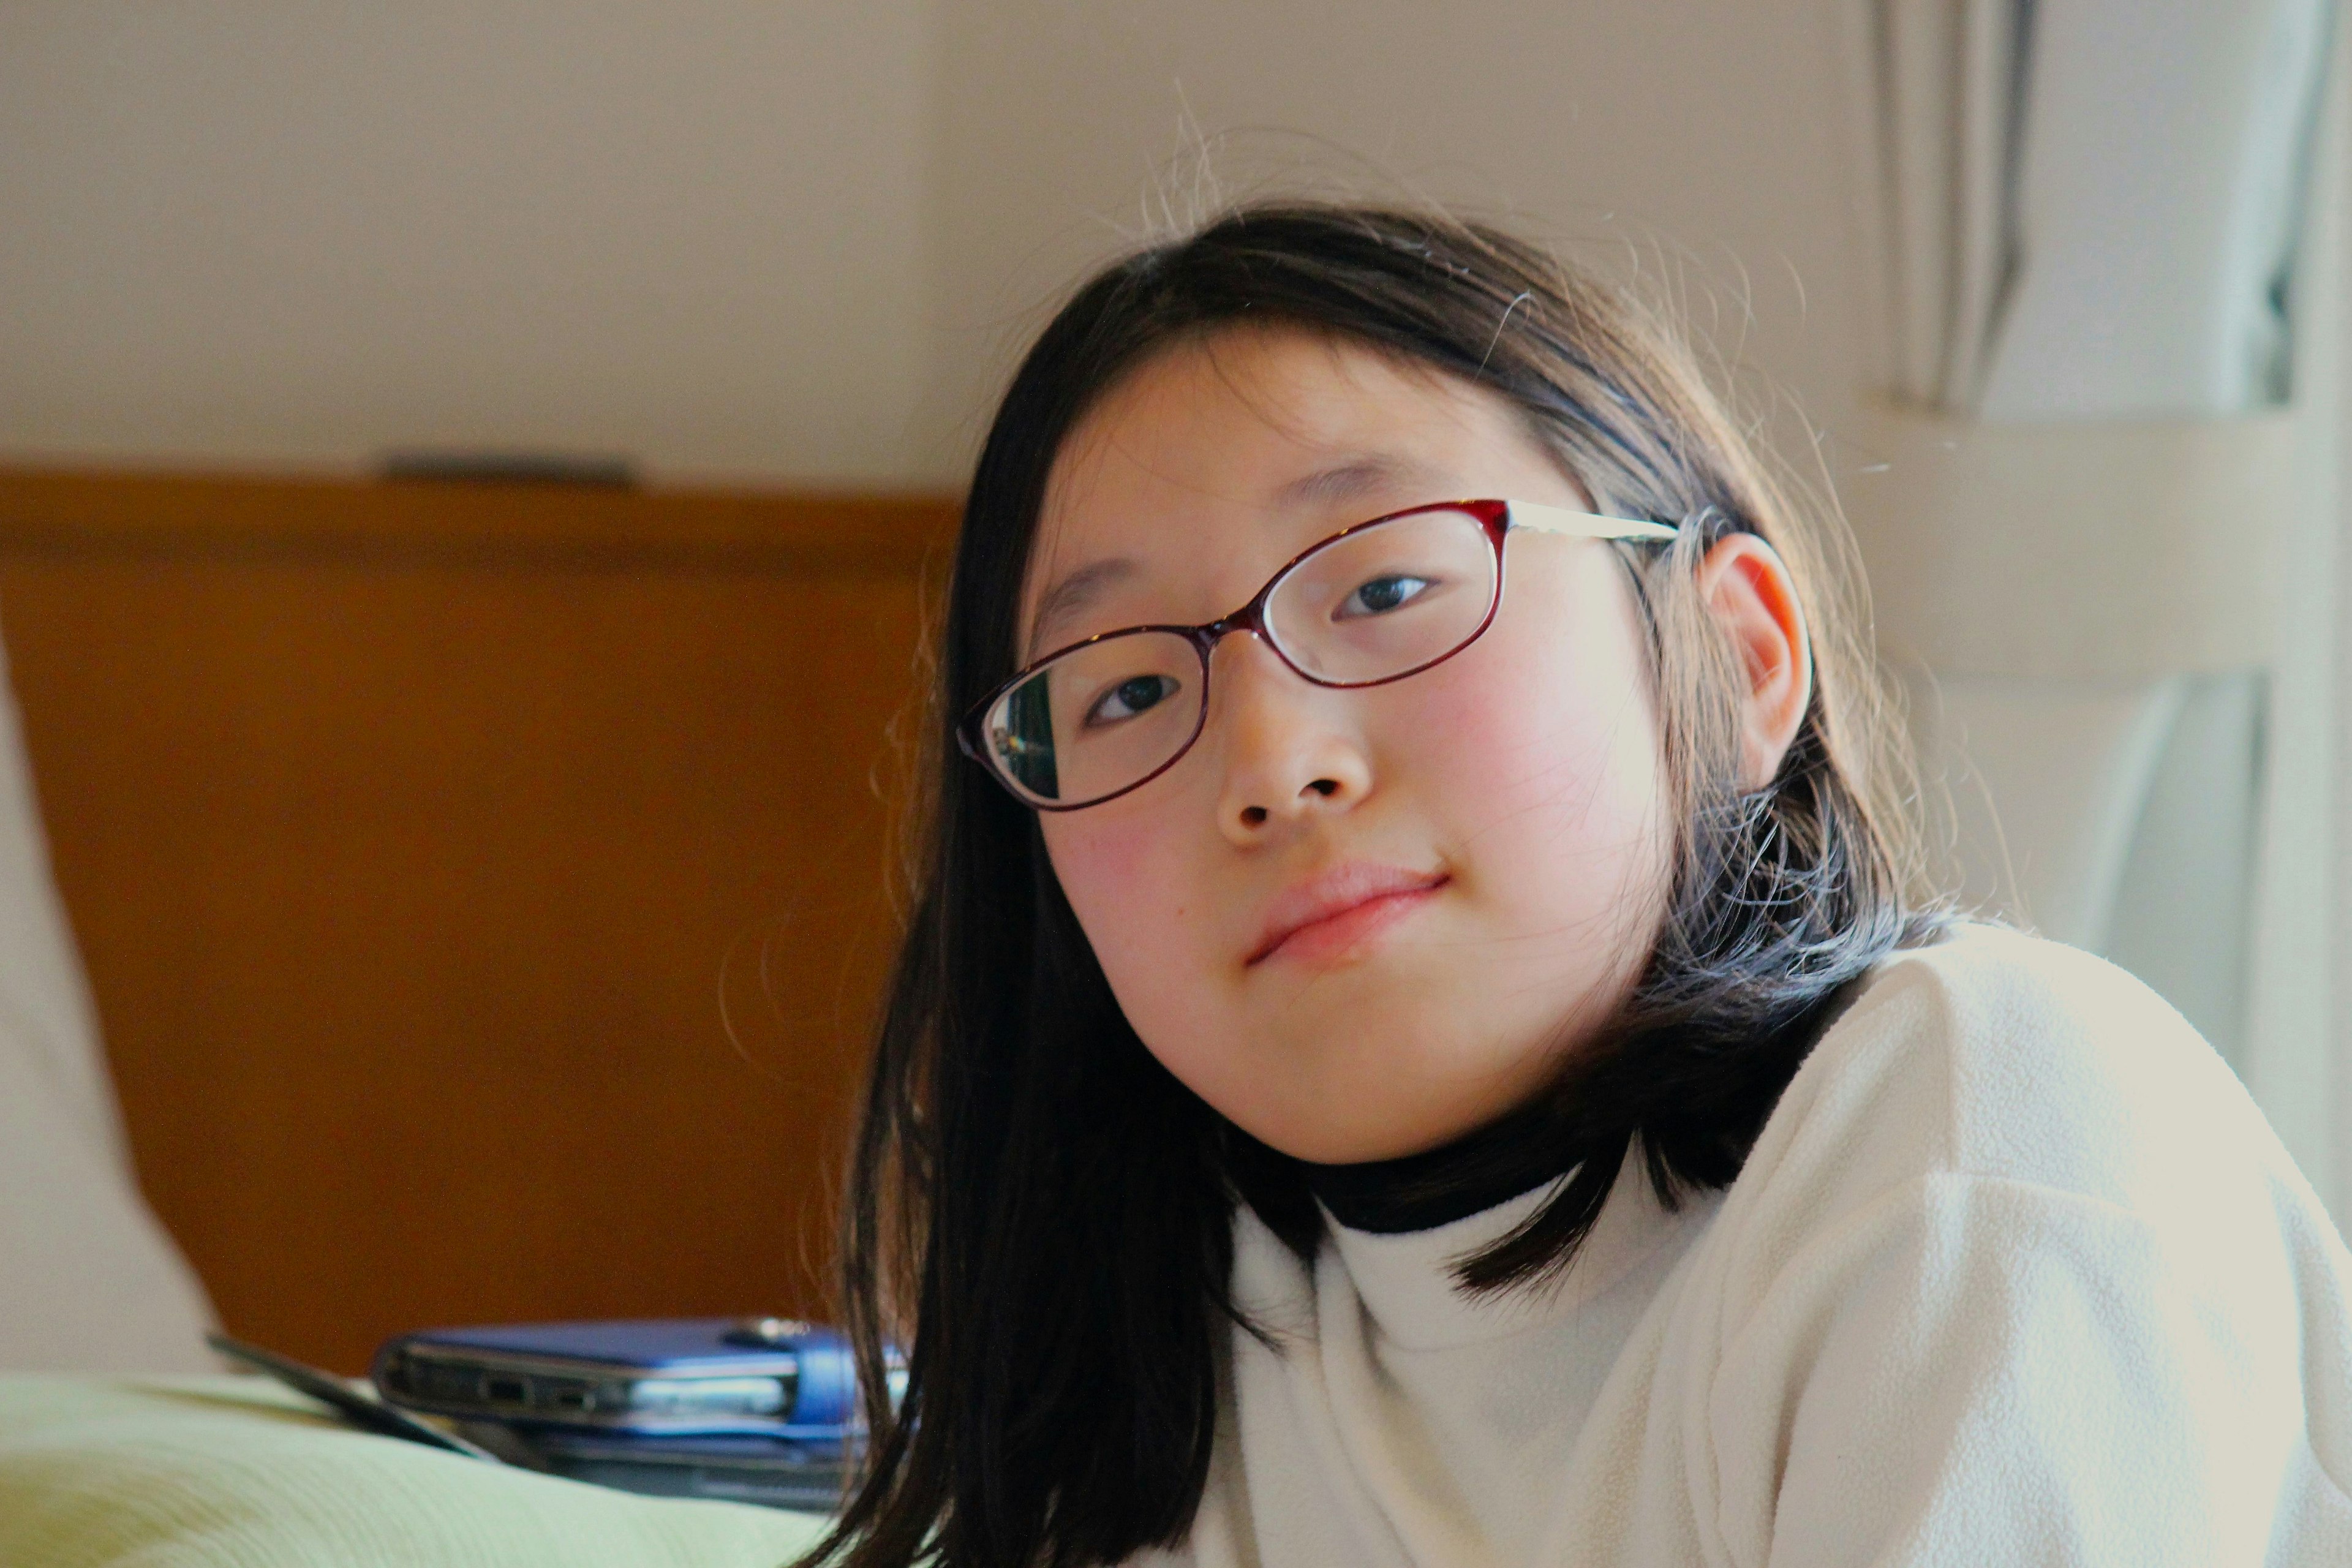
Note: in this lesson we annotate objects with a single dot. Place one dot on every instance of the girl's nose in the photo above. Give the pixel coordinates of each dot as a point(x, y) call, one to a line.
point(1286, 751)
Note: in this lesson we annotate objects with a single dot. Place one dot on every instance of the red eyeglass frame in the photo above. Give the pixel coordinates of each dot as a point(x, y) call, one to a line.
point(1501, 517)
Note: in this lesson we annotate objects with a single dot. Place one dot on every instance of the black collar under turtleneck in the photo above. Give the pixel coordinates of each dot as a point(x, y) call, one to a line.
point(1438, 1187)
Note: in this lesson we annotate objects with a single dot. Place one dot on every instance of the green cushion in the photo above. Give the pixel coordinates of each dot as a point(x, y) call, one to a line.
point(233, 1472)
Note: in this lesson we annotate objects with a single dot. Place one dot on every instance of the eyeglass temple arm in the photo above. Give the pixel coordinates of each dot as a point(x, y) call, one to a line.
point(1568, 524)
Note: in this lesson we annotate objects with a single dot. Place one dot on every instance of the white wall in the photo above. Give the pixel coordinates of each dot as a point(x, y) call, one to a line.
point(796, 241)
point(249, 231)
point(1698, 139)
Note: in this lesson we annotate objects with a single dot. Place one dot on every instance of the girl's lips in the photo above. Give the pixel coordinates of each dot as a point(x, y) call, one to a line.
point(1324, 918)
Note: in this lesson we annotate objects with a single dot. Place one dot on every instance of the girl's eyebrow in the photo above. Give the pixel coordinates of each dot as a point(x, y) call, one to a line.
point(1352, 476)
point(1073, 592)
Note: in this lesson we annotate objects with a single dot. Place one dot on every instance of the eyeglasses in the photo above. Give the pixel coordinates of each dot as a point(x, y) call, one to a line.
point(1372, 604)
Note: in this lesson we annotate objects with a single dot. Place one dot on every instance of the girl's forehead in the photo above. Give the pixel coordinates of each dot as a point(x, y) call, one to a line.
point(1235, 416)
point(1246, 443)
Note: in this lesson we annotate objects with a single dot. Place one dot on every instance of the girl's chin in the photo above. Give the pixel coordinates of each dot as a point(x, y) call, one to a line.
point(1312, 1138)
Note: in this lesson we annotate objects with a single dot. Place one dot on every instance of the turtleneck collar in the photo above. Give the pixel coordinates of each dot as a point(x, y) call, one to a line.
point(1406, 1281)
point(1439, 1186)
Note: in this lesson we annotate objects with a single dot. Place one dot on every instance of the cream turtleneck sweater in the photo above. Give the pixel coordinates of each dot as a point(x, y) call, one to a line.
point(2016, 1273)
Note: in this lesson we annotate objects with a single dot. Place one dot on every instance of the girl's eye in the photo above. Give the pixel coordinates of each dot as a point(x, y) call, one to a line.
point(1129, 698)
point(1381, 595)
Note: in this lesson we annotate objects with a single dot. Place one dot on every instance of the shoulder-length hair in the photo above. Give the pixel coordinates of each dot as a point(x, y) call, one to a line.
point(1038, 1211)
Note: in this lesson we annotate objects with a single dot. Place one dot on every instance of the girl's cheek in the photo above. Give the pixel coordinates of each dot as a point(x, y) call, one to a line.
point(1540, 764)
point(1499, 748)
point(1128, 887)
point(1108, 862)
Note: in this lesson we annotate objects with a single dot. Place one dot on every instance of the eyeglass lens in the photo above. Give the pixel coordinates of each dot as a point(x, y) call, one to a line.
point(1367, 607)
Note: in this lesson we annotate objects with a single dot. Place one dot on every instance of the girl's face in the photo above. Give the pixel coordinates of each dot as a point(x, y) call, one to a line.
point(1360, 923)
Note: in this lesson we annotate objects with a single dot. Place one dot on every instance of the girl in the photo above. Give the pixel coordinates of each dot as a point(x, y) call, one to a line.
point(1438, 1065)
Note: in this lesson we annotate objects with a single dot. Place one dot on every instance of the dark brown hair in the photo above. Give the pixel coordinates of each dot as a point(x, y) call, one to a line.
point(1038, 1211)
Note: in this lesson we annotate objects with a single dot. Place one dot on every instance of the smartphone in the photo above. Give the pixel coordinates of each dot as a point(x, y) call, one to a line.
point(776, 1378)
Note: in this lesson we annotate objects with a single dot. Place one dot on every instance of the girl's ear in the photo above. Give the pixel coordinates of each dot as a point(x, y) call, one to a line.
point(1746, 586)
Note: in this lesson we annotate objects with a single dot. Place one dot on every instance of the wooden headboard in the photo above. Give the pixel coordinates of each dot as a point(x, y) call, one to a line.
point(482, 886)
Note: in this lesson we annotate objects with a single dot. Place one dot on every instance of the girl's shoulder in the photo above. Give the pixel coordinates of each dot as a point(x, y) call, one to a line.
point(1994, 1055)
point(2017, 1259)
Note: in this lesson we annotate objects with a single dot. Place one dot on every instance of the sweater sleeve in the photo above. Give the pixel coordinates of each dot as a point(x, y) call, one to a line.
point(1971, 1369)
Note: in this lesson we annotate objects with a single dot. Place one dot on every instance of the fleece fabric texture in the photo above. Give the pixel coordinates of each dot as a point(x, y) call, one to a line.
point(2016, 1273)
point(233, 1472)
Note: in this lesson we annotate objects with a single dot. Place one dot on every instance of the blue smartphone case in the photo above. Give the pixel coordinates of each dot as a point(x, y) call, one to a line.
point(668, 1377)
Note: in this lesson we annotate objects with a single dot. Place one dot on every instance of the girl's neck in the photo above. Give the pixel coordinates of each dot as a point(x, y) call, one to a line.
point(1438, 1187)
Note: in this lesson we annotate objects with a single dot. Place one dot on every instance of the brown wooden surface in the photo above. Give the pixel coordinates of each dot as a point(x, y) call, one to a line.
point(482, 886)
